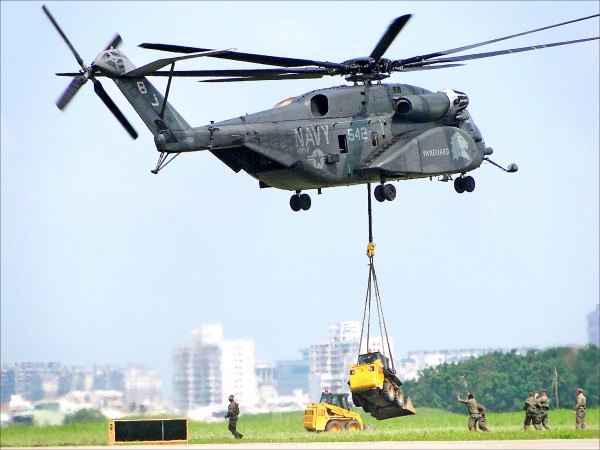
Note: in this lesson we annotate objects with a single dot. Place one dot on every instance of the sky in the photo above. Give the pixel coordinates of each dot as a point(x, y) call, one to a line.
point(103, 262)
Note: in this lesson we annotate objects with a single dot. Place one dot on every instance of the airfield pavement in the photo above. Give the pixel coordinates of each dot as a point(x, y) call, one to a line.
point(542, 444)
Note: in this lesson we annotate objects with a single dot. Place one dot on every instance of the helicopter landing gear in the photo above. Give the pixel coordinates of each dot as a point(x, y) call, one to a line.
point(300, 202)
point(462, 184)
point(384, 192)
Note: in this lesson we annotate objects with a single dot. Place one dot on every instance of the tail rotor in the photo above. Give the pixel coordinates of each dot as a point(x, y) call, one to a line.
point(87, 73)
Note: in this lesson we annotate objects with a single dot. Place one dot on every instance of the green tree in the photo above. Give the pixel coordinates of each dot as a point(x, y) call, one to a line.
point(502, 381)
point(85, 415)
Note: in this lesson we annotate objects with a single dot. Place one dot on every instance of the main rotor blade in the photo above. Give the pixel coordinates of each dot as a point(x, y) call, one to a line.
point(99, 90)
point(70, 92)
point(246, 57)
point(496, 53)
point(152, 67)
point(432, 67)
point(210, 73)
point(240, 72)
point(274, 77)
point(60, 31)
point(389, 36)
point(468, 47)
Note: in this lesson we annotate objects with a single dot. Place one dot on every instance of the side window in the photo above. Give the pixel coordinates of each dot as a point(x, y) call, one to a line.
point(343, 143)
point(344, 403)
point(374, 139)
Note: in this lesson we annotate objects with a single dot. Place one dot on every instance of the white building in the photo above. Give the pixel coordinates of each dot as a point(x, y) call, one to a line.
point(238, 373)
point(142, 386)
point(329, 361)
point(206, 372)
point(410, 367)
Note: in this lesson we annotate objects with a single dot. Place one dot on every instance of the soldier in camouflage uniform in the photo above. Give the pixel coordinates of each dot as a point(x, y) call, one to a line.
point(543, 407)
point(579, 410)
point(482, 419)
point(473, 411)
point(233, 411)
point(530, 407)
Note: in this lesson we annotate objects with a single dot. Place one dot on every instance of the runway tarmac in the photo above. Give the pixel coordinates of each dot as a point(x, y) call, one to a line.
point(541, 444)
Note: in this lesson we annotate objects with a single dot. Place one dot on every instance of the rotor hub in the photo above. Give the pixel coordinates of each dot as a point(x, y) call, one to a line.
point(367, 69)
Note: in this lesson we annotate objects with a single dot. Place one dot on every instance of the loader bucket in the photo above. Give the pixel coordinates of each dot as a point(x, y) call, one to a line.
point(388, 412)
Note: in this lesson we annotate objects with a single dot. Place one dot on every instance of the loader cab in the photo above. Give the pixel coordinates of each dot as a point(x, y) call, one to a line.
point(370, 358)
point(339, 400)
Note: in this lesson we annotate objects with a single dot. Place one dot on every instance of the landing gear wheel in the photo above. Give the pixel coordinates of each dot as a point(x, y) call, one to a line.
point(389, 192)
point(469, 184)
point(305, 202)
point(378, 193)
point(459, 185)
point(334, 426)
point(295, 203)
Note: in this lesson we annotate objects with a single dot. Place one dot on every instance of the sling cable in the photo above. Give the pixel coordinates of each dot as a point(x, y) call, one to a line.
point(372, 287)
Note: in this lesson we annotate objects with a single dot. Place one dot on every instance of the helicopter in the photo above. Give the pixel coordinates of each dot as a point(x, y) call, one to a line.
point(362, 132)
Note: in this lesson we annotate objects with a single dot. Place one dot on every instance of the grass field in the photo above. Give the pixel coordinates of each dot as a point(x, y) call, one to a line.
point(427, 425)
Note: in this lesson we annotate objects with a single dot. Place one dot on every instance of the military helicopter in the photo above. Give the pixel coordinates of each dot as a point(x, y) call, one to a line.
point(363, 132)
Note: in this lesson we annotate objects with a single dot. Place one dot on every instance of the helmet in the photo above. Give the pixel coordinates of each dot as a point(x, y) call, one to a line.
point(231, 398)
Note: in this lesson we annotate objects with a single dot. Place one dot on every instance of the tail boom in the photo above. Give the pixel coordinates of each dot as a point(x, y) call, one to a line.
point(161, 119)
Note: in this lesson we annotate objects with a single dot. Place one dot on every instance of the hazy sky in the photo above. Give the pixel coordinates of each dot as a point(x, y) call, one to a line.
point(106, 263)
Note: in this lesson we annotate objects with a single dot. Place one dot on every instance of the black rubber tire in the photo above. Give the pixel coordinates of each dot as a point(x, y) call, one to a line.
point(295, 203)
point(378, 193)
point(388, 392)
point(459, 185)
point(389, 192)
point(305, 202)
point(334, 426)
point(398, 397)
point(353, 425)
point(469, 184)
point(357, 400)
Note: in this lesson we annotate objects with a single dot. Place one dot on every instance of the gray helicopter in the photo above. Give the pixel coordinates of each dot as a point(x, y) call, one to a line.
point(363, 132)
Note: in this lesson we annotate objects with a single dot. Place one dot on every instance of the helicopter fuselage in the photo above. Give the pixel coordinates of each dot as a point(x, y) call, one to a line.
point(342, 136)
point(365, 133)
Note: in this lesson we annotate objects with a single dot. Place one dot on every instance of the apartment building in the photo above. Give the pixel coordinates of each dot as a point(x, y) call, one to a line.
point(34, 381)
point(211, 368)
point(329, 360)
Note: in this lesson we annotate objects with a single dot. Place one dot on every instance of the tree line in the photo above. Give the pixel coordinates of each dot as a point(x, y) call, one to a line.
point(502, 381)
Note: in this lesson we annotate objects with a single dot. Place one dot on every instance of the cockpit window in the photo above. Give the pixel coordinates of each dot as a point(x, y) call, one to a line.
point(285, 102)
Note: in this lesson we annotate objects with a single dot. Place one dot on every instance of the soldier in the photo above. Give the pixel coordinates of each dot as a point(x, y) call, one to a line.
point(482, 420)
point(543, 407)
point(531, 412)
point(233, 411)
point(579, 410)
point(473, 411)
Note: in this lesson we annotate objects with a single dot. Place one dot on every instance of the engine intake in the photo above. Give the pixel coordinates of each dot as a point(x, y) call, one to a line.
point(428, 107)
